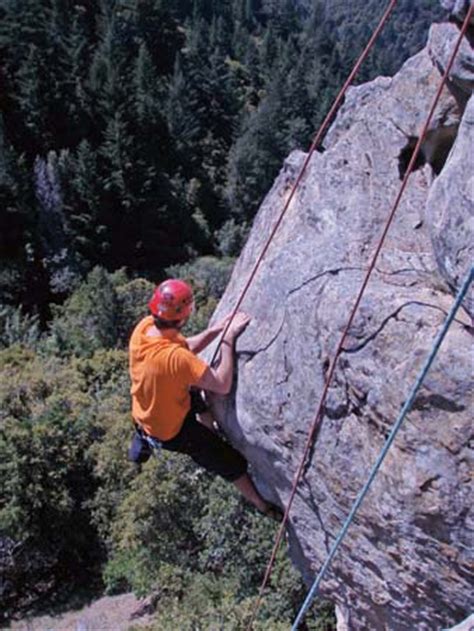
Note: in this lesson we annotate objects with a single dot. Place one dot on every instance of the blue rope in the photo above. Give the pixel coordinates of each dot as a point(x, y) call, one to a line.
point(408, 403)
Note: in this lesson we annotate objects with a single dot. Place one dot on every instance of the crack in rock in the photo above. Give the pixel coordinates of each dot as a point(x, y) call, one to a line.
point(287, 369)
point(429, 483)
point(249, 355)
point(311, 500)
point(329, 272)
point(403, 270)
point(383, 324)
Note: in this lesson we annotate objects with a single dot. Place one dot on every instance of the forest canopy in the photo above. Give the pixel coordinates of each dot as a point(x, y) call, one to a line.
point(144, 133)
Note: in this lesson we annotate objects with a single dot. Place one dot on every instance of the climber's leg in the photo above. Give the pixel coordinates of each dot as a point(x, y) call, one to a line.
point(217, 456)
point(247, 488)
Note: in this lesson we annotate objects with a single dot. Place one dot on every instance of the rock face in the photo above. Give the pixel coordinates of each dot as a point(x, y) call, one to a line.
point(405, 562)
point(450, 213)
point(441, 42)
point(457, 8)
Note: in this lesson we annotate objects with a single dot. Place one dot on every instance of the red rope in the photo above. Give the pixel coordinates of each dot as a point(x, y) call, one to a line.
point(331, 371)
point(315, 143)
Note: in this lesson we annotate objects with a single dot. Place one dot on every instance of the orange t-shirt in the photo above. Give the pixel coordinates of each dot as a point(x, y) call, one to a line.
point(161, 370)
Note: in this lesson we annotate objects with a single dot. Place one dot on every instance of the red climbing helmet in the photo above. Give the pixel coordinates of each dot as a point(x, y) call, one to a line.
point(172, 300)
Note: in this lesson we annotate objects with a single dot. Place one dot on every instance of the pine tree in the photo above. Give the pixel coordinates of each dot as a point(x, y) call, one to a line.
point(10, 218)
point(103, 73)
point(87, 237)
point(53, 229)
point(114, 150)
point(181, 108)
point(15, 218)
point(144, 82)
point(73, 62)
point(29, 94)
point(256, 156)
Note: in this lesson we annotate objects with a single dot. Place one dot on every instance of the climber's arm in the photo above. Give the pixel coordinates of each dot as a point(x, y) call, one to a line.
point(219, 379)
point(198, 342)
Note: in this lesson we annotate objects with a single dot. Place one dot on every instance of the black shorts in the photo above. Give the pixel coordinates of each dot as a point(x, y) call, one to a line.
point(206, 448)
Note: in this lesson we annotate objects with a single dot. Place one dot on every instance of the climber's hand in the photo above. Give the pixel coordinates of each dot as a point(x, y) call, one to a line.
point(240, 321)
point(221, 324)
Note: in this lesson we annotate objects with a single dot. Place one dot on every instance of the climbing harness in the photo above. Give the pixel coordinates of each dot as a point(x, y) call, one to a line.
point(401, 417)
point(155, 444)
point(332, 368)
point(143, 446)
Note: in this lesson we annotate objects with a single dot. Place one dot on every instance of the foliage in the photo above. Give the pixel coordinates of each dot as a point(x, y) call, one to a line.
point(132, 297)
point(87, 320)
point(47, 426)
point(231, 237)
point(100, 313)
point(143, 134)
point(17, 327)
point(209, 603)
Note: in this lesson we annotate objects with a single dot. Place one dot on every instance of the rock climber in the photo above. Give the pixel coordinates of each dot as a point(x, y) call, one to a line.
point(167, 377)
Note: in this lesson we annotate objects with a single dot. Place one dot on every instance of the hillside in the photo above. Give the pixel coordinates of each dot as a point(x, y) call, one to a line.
point(138, 140)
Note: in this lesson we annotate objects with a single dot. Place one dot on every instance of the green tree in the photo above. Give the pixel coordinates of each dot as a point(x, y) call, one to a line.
point(88, 319)
point(256, 156)
point(29, 92)
point(13, 221)
point(18, 328)
point(45, 478)
point(79, 178)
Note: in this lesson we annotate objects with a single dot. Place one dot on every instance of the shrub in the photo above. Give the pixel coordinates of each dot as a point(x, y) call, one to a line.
point(17, 327)
point(88, 320)
point(53, 412)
